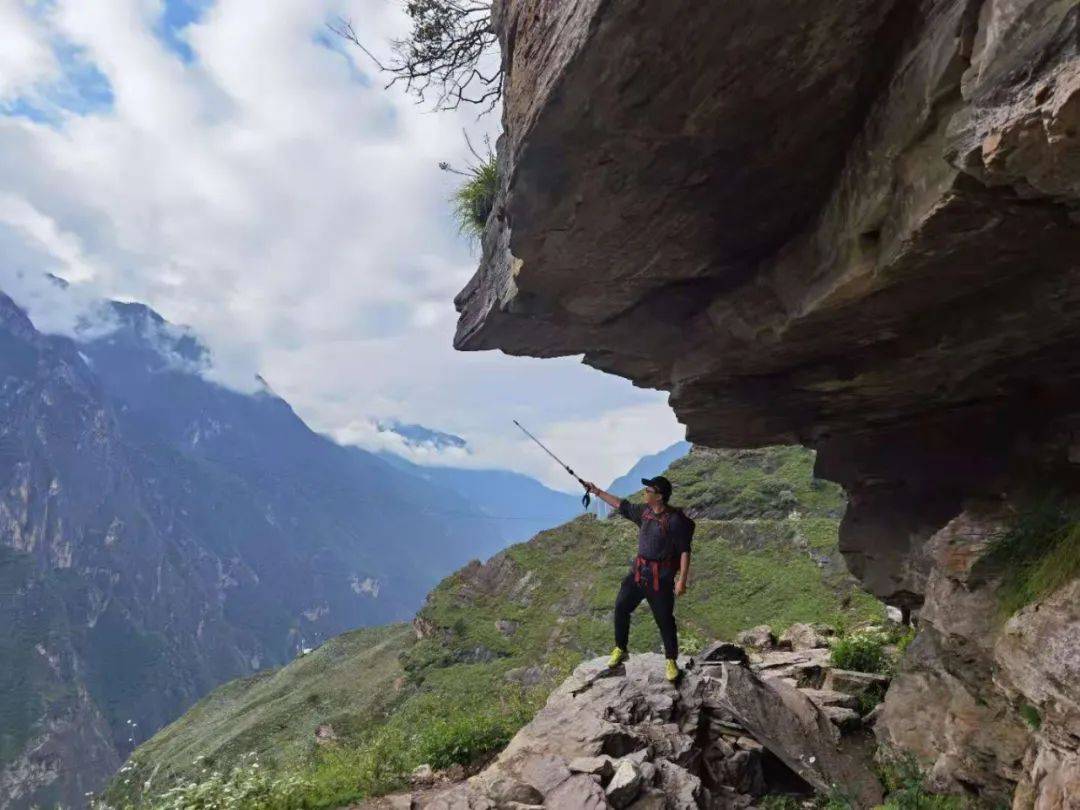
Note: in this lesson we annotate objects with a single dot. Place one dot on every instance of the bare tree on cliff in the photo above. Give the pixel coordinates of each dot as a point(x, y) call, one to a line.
point(444, 55)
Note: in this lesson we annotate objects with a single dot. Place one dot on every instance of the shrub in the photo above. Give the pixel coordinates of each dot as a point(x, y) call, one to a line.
point(462, 739)
point(863, 652)
point(342, 775)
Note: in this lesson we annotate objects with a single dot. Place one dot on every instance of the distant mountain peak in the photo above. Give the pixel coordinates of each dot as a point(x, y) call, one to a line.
point(137, 331)
point(420, 436)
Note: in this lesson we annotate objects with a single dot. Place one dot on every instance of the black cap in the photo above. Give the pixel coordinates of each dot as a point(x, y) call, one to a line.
point(660, 484)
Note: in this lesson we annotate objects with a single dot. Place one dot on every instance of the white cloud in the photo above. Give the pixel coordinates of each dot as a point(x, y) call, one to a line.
point(26, 56)
point(271, 194)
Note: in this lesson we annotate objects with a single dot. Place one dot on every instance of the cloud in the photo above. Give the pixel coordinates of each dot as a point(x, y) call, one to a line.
point(26, 57)
point(247, 174)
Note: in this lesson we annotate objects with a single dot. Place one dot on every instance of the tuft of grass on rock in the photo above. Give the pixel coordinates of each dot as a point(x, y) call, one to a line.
point(1039, 554)
point(1031, 716)
point(474, 199)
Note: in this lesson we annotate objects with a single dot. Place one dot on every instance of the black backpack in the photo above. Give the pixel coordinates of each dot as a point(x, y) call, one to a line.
point(681, 513)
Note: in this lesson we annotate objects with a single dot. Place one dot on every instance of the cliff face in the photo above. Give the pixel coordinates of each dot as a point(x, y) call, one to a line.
point(848, 224)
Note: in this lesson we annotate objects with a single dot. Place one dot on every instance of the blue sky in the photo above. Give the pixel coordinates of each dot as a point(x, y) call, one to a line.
point(241, 171)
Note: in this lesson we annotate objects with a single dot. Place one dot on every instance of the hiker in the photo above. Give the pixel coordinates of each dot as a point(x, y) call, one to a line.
point(661, 570)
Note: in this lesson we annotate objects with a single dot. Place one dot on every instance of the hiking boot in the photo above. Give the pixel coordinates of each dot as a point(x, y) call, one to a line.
point(618, 655)
point(671, 671)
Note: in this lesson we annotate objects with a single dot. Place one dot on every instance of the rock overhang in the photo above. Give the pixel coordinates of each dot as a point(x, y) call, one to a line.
point(807, 221)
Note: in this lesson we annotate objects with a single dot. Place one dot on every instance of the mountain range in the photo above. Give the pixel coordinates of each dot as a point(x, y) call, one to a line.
point(161, 534)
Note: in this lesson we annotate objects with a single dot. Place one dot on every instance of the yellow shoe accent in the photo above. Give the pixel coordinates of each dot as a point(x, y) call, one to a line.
point(671, 671)
point(618, 655)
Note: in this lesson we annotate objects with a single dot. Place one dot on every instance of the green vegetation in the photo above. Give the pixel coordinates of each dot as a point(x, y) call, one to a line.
point(903, 640)
point(475, 198)
point(1031, 716)
point(863, 652)
point(771, 482)
point(870, 698)
point(246, 785)
point(905, 784)
point(498, 638)
point(1038, 555)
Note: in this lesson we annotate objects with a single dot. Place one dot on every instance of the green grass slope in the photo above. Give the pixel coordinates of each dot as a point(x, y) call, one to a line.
point(498, 636)
point(349, 683)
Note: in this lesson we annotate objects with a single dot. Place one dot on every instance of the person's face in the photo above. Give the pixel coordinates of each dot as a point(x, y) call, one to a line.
point(652, 497)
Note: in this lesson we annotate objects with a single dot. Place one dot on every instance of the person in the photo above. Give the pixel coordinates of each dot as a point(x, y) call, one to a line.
point(661, 570)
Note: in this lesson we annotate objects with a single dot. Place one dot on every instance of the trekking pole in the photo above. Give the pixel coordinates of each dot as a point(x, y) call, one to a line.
point(585, 497)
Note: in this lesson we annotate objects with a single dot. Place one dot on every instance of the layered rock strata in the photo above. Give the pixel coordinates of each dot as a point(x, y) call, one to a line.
point(852, 225)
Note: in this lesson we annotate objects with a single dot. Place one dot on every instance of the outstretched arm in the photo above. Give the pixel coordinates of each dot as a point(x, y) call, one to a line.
point(606, 497)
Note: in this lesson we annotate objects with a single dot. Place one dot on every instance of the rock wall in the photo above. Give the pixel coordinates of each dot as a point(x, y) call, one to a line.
point(848, 224)
point(990, 703)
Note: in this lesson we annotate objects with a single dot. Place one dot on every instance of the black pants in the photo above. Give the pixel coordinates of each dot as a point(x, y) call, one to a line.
point(662, 602)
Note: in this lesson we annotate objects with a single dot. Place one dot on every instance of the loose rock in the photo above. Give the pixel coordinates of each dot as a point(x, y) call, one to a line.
point(624, 785)
point(757, 638)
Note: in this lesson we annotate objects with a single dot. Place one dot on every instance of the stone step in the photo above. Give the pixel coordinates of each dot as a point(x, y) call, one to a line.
point(830, 697)
point(854, 683)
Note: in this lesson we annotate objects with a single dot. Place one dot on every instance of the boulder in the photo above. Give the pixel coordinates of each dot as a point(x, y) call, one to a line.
point(855, 683)
point(722, 651)
point(789, 724)
point(749, 744)
point(682, 788)
point(744, 774)
point(830, 697)
point(801, 637)
point(845, 719)
point(806, 667)
point(504, 789)
point(422, 776)
point(602, 766)
point(579, 792)
point(624, 785)
point(757, 638)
